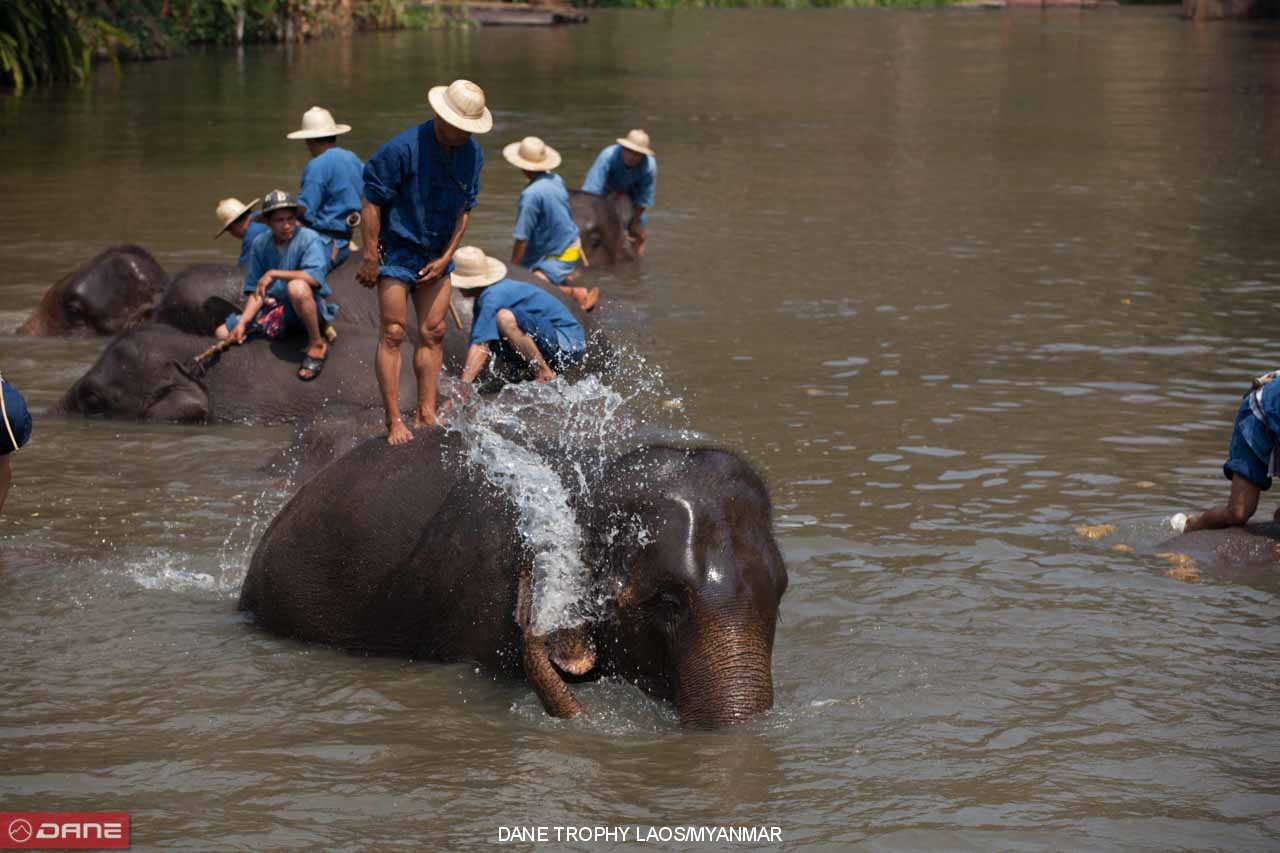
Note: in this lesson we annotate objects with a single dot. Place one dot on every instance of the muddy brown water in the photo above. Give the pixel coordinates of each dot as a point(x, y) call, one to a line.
point(957, 282)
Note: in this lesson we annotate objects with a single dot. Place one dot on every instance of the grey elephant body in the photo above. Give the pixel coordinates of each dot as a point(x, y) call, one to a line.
point(602, 227)
point(101, 296)
point(410, 550)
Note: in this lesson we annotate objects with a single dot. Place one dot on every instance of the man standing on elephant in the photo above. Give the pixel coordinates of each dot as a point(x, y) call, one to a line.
point(546, 237)
point(331, 182)
point(629, 167)
point(424, 183)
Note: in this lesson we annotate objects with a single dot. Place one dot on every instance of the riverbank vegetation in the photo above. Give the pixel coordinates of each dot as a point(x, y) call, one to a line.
point(47, 40)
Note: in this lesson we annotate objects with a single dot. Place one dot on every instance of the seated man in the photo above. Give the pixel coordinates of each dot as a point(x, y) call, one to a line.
point(17, 432)
point(286, 285)
point(1252, 459)
point(546, 237)
point(332, 183)
point(516, 321)
point(238, 219)
point(631, 168)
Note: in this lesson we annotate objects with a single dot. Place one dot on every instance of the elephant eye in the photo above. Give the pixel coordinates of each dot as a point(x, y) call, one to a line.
point(669, 605)
point(90, 404)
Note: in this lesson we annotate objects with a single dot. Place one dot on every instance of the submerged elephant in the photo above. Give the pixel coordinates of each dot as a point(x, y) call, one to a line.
point(100, 297)
point(602, 225)
point(146, 374)
point(410, 550)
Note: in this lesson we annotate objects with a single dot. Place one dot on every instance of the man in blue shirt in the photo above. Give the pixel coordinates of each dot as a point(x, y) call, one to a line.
point(546, 237)
point(515, 321)
point(237, 220)
point(286, 277)
point(331, 182)
point(17, 432)
point(419, 189)
point(631, 168)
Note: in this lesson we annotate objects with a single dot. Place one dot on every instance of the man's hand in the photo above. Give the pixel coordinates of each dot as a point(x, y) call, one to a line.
point(368, 272)
point(238, 333)
point(433, 270)
point(263, 283)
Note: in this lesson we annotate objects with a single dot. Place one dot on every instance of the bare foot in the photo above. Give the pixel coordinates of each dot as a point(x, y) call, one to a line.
point(422, 418)
point(398, 433)
point(544, 376)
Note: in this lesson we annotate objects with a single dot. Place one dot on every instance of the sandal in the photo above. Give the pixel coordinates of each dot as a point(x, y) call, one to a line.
point(313, 364)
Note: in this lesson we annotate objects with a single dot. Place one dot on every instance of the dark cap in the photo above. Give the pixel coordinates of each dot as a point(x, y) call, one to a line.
point(277, 199)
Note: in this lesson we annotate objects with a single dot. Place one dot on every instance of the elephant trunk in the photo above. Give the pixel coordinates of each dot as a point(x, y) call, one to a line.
point(555, 695)
point(725, 676)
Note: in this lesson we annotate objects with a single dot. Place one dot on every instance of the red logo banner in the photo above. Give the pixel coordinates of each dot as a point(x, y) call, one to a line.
point(64, 830)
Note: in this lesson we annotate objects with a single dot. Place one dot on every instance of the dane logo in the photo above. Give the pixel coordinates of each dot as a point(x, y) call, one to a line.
point(64, 830)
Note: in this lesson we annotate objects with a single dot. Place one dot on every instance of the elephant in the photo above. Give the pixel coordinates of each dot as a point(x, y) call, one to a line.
point(100, 297)
point(410, 550)
point(146, 373)
point(602, 226)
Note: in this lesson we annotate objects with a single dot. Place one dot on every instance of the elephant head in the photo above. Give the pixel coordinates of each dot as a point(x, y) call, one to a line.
point(112, 291)
point(141, 375)
point(602, 227)
point(683, 540)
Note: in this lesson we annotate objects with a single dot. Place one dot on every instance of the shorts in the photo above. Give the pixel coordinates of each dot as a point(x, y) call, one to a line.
point(404, 267)
point(554, 269)
point(290, 322)
point(1248, 438)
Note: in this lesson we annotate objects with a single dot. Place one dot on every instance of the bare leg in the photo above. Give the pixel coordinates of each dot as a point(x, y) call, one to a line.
point(220, 332)
point(432, 304)
point(393, 298)
point(524, 345)
point(1239, 509)
point(6, 476)
point(586, 299)
point(304, 305)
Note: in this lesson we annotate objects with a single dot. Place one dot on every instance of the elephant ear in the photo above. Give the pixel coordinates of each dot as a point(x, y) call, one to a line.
point(182, 397)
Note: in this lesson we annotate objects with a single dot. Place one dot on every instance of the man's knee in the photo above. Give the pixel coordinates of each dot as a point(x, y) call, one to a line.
point(432, 332)
point(392, 334)
point(299, 291)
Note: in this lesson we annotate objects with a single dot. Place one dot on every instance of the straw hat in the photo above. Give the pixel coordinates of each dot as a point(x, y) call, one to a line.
point(532, 155)
point(317, 123)
point(636, 140)
point(461, 104)
point(229, 210)
point(473, 268)
point(277, 199)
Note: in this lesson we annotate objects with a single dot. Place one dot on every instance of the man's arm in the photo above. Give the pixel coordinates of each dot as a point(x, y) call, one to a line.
point(517, 250)
point(370, 229)
point(597, 175)
point(311, 192)
point(436, 268)
point(477, 358)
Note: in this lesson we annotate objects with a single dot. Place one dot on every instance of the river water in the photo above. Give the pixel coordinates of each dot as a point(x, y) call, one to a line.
point(957, 282)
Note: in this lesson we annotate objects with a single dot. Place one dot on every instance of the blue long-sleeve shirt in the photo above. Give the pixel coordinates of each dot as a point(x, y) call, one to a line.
point(544, 219)
point(305, 252)
point(331, 187)
point(610, 175)
point(421, 189)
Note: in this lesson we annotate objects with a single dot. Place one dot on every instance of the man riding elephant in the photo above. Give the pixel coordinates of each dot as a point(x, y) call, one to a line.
point(630, 167)
point(515, 321)
point(423, 183)
point(332, 182)
point(286, 279)
point(238, 220)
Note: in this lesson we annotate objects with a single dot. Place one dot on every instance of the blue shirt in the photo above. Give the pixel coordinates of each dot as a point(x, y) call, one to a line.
point(610, 175)
point(421, 189)
point(331, 185)
point(251, 233)
point(305, 252)
point(544, 219)
point(531, 305)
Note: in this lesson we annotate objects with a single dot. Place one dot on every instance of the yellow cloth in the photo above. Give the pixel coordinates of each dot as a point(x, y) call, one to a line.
point(570, 255)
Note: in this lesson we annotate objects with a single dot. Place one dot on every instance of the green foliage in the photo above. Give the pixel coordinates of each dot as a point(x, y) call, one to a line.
point(40, 41)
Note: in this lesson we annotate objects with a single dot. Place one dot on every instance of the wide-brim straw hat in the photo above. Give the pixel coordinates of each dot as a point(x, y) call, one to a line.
point(318, 123)
point(473, 268)
point(636, 140)
point(229, 210)
point(532, 155)
point(461, 104)
point(277, 199)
